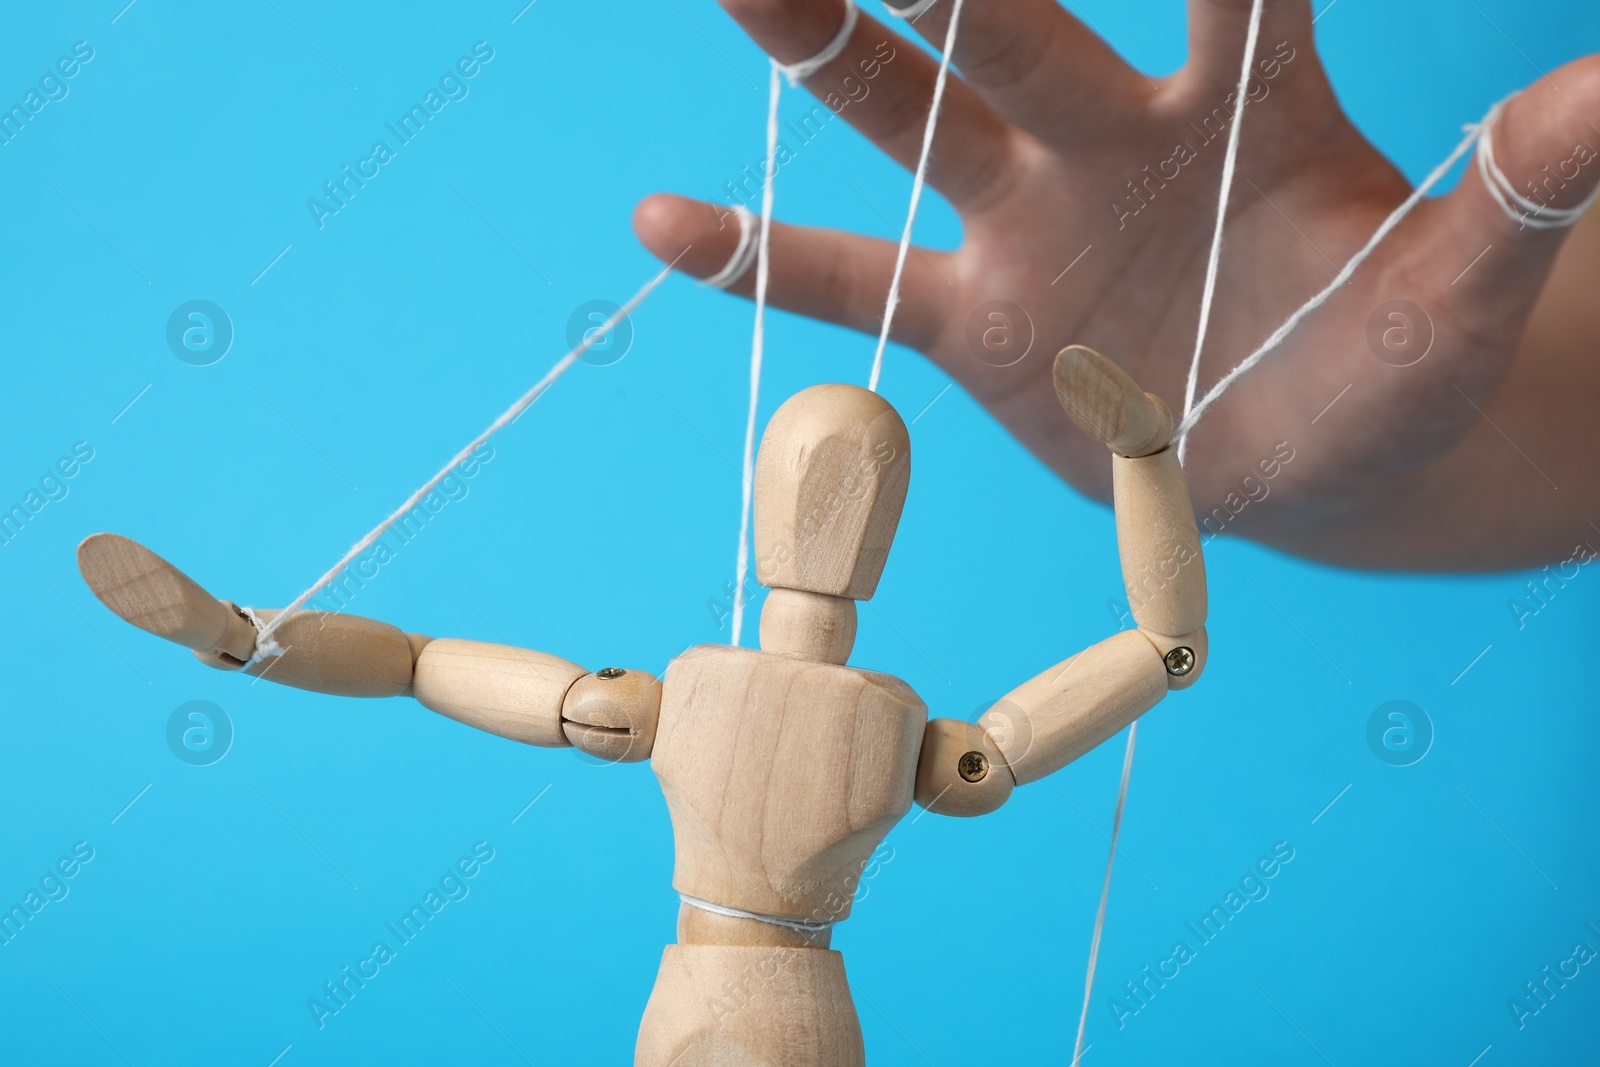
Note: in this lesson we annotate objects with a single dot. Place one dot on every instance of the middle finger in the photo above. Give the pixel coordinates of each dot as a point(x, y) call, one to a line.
point(882, 85)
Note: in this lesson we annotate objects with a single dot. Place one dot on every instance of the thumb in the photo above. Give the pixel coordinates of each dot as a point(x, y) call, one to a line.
point(1546, 144)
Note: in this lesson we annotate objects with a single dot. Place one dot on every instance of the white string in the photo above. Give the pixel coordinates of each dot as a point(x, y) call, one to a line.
point(916, 194)
point(1229, 165)
point(744, 254)
point(1105, 891)
point(741, 568)
point(264, 643)
point(799, 72)
point(1526, 212)
point(805, 926)
point(1343, 276)
point(1531, 213)
point(265, 646)
point(1230, 162)
point(795, 73)
point(910, 11)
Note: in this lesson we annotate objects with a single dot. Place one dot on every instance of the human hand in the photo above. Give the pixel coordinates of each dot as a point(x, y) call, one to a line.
point(1088, 197)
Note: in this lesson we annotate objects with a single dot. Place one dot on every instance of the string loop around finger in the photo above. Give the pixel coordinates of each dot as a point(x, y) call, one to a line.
point(909, 11)
point(799, 72)
point(744, 254)
point(1520, 209)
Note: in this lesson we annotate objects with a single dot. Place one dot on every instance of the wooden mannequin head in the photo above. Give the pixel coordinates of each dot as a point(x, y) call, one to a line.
point(783, 768)
point(830, 482)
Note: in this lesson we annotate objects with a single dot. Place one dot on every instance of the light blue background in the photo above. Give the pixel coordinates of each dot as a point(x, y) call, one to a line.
point(216, 905)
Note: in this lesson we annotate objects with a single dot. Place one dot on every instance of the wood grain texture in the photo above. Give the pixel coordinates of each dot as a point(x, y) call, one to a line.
point(830, 482)
point(943, 788)
point(613, 716)
point(1163, 568)
point(1055, 717)
point(152, 594)
point(726, 1006)
point(417, 642)
point(512, 692)
point(809, 625)
point(1106, 404)
point(328, 652)
point(781, 776)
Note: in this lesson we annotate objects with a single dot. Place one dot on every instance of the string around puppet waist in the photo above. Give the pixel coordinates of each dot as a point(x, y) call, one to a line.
point(1517, 207)
point(753, 249)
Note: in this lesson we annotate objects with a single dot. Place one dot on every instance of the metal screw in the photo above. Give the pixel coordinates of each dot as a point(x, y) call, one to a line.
point(973, 767)
point(1180, 661)
point(608, 673)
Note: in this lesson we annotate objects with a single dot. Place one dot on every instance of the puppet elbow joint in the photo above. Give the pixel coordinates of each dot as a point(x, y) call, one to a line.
point(1183, 656)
